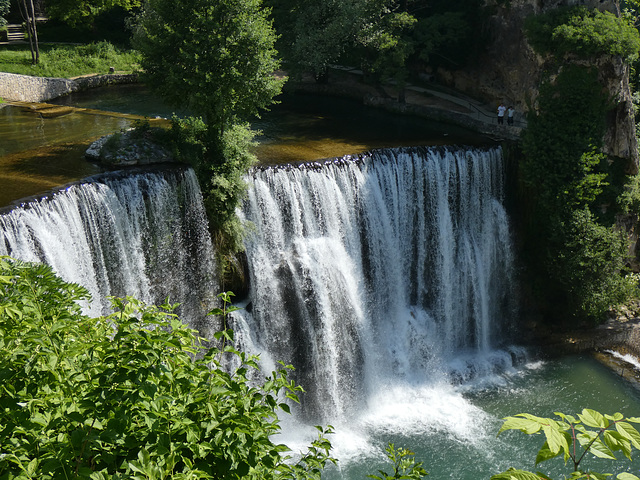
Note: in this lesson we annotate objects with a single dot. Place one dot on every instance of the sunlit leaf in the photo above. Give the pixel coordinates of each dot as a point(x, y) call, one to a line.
point(629, 432)
point(593, 419)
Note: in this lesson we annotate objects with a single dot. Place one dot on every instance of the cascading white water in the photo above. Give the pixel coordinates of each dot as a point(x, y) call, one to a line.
point(143, 235)
point(367, 273)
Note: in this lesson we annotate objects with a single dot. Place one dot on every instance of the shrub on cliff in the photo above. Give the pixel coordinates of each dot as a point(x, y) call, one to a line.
point(583, 32)
point(575, 254)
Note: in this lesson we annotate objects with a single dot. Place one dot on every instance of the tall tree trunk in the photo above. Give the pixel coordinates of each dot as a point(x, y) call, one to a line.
point(35, 32)
point(29, 16)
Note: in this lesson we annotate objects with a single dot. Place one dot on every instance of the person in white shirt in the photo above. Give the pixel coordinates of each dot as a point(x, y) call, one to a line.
point(501, 110)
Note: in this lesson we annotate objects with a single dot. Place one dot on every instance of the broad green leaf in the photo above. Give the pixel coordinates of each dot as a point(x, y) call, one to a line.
point(629, 432)
point(615, 441)
point(525, 425)
point(545, 454)
point(555, 439)
point(616, 417)
point(593, 419)
point(32, 467)
point(513, 474)
point(600, 450)
point(627, 476)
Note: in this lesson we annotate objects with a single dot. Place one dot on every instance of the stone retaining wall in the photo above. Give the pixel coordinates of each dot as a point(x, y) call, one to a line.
point(24, 88)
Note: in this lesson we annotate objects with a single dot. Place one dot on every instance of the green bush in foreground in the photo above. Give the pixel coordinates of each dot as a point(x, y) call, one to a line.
point(133, 395)
point(573, 437)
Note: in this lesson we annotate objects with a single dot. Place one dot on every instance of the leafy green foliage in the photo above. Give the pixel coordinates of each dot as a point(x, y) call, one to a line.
point(589, 266)
point(213, 58)
point(572, 437)
point(436, 31)
point(315, 33)
point(584, 32)
point(134, 395)
point(220, 166)
point(369, 33)
point(574, 254)
point(388, 45)
point(404, 465)
point(83, 12)
point(5, 5)
point(66, 61)
point(216, 59)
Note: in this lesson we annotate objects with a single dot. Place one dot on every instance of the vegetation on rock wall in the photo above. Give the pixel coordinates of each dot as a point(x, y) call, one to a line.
point(575, 254)
point(583, 32)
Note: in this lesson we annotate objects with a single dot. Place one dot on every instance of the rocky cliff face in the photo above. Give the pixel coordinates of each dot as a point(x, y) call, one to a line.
point(511, 71)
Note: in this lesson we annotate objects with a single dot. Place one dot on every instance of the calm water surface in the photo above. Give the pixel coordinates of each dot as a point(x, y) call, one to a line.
point(39, 153)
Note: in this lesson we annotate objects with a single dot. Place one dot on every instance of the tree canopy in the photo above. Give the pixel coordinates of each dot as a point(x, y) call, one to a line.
point(583, 32)
point(5, 5)
point(83, 12)
point(383, 37)
point(215, 58)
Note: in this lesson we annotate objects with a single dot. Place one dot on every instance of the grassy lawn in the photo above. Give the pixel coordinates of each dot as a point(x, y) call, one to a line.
point(68, 60)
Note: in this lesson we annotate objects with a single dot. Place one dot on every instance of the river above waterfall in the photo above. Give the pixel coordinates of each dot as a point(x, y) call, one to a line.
point(38, 153)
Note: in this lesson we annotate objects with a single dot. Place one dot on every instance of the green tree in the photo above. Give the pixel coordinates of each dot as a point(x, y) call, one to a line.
point(5, 6)
point(134, 395)
point(387, 45)
point(215, 59)
point(319, 33)
point(583, 32)
point(573, 437)
point(77, 13)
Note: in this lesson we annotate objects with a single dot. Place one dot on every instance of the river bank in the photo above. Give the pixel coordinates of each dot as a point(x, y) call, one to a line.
point(25, 88)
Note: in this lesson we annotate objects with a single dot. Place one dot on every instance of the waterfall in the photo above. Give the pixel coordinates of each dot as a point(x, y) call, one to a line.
point(370, 272)
point(143, 235)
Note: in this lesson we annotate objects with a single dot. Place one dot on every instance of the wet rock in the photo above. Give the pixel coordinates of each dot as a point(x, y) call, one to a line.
point(129, 148)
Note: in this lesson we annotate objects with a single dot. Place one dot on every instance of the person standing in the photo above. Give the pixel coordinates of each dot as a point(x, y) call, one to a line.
point(501, 110)
point(510, 112)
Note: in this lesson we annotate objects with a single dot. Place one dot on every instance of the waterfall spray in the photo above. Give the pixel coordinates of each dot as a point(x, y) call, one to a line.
point(143, 235)
point(370, 271)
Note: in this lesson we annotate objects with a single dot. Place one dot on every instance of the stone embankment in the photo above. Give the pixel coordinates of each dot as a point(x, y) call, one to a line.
point(615, 343)
point(24, 88)
point(422, 101)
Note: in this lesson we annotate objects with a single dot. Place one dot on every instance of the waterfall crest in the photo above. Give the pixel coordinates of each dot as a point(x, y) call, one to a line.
point(143, 235)
point(394, 267)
